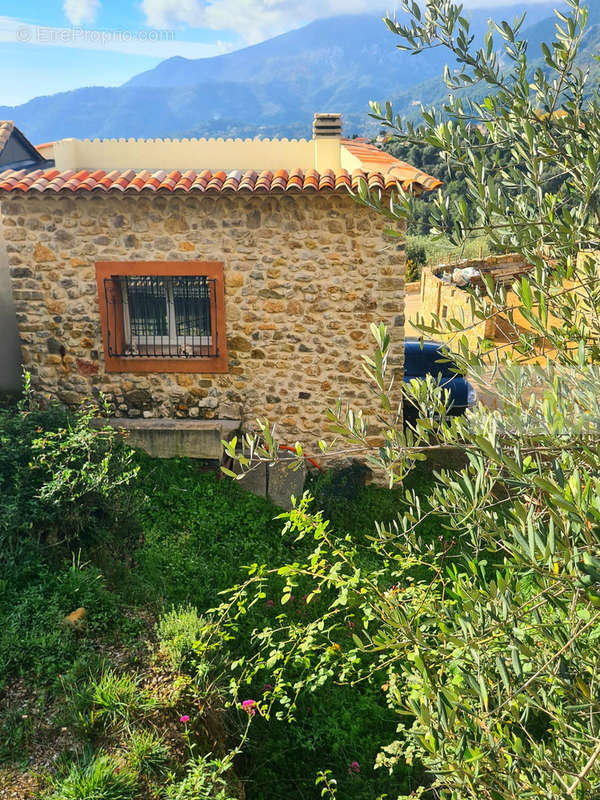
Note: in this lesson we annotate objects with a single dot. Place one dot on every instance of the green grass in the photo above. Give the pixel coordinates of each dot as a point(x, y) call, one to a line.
point(35, 597)
point(119, 698)
point(103, 778)
point(147, 587)
point(147, 753)
point(199, 531)
point(442, 251)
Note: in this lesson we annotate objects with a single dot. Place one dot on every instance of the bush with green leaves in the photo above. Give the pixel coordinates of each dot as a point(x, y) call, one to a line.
point(61, 475)
point(184, 637)
point(206, 778)
point(488, 634)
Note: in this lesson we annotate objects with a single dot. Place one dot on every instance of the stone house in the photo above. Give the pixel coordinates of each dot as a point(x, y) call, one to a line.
point(198, 281)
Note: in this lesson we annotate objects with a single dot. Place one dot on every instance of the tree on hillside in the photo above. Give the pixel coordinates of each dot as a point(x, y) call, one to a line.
point(485, 637)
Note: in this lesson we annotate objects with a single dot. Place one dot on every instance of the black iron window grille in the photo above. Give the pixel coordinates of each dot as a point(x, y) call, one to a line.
point(161, 316)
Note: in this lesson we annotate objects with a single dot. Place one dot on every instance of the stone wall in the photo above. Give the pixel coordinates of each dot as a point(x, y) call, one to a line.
point(305, 275)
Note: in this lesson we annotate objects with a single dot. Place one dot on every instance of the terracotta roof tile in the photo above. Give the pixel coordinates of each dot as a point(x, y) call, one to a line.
point(207, 181)
point(249, 180)
point(295, 180)
point(264, 180)
point(232, 180)
point(394, 171)
point(311, 179)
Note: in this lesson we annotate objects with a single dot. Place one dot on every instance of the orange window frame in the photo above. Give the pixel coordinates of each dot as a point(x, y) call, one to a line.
point(210, 269)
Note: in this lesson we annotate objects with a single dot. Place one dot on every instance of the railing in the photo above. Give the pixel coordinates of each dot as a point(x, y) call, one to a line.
point(154, 316)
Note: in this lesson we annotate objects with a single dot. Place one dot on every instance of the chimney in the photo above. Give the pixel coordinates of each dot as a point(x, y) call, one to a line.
point(327, 135)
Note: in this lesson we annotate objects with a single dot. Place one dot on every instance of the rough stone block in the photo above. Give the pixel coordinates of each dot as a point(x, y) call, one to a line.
point(283, 481)
point(254, 481)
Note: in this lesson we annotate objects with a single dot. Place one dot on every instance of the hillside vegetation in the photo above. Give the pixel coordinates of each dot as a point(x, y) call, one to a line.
point(114, 681)
point(270, 89)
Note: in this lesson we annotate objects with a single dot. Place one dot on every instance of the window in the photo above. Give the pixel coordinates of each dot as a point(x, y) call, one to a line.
point(162, 316)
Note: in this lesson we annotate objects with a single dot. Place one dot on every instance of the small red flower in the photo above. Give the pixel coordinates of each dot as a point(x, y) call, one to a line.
point(184, 718)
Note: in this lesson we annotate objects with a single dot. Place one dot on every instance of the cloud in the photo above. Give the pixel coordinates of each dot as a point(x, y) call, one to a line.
point(143, 42)
point(80, 12)
point(257, 20)
point(252, 20)
point(171, 13)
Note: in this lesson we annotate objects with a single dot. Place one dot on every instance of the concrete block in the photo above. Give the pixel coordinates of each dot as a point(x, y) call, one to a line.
point(176, 438)
point(254, 481)
point(283, 481)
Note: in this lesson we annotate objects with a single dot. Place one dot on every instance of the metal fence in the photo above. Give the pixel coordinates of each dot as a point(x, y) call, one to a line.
point(154, 316)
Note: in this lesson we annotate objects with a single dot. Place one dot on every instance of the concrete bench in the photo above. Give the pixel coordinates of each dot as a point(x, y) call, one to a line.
point(176, 438)
point(201, 438)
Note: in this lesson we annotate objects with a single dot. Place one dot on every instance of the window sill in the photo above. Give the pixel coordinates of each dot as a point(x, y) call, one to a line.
point(182, 364)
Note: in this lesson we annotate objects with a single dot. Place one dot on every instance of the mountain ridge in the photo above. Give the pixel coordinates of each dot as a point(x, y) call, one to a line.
point(271, 88)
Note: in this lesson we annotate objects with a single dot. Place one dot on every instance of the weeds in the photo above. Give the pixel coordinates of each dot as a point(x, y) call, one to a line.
point(205, 778)
point(147, 753)
point(184, 638)
point(119, 699)
point(103, 778)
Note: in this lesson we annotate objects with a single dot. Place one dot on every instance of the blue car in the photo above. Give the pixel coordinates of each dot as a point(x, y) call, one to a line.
point(433, 358)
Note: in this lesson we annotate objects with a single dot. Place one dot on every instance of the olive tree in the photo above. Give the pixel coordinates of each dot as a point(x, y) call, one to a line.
point(486, 639)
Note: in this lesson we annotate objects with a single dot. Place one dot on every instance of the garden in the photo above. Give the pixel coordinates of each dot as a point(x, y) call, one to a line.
point(117, 680)
point(167, 636)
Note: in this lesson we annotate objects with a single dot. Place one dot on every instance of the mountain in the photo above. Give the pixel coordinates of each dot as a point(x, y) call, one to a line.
point(272, 88)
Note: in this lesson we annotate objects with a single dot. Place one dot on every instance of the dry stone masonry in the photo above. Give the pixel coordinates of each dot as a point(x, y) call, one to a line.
point(305, 275)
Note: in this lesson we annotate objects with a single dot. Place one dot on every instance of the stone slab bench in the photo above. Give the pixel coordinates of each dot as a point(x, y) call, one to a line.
point(201, 438)
point(176, 438)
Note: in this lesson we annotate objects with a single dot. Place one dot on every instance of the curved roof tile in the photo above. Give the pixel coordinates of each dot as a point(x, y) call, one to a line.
point(298, 180)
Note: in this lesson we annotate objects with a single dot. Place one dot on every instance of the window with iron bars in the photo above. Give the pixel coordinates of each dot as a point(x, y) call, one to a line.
point(161, 316)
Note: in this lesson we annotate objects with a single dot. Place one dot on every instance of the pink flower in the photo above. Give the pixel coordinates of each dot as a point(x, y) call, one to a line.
point(249, 706)
point(354, 768)
point(184, 718)
point(267, 687)
point(269, 604)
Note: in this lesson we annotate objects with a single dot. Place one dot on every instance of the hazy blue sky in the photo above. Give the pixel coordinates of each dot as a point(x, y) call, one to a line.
point(62, 44)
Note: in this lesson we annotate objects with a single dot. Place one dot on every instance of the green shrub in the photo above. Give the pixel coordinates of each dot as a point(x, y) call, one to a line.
point(412, 271)
point(183, 638)
point(147, 753)
point(416, 252)
point(205, 779)
point(103, 778)
point(60, 477)
point(333, 728)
